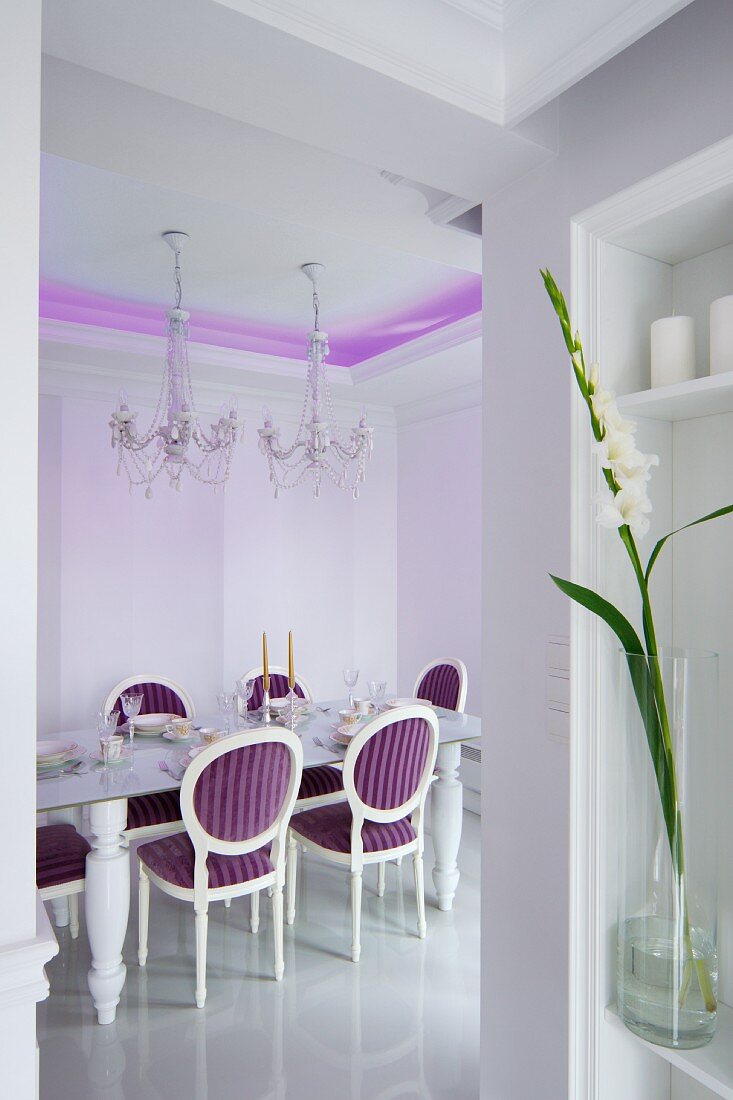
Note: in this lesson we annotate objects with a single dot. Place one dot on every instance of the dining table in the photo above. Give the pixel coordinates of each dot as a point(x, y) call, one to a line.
point(105, 790)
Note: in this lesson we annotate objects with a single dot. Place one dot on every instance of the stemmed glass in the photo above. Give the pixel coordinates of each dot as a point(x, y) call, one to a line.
point(246, 689)
point(106, 728)
point(350, 675)
point(131, 703)
point(225, 702)
point(377, 688)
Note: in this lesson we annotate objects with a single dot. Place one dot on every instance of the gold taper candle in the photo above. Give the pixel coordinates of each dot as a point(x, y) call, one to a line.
point(265, 673)
point(291, 673)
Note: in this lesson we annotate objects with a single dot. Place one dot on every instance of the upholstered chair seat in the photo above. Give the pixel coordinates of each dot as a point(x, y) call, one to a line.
point(61, 855)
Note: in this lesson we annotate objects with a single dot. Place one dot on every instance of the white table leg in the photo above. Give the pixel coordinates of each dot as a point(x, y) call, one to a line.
point(446, 815)
point(107, 905)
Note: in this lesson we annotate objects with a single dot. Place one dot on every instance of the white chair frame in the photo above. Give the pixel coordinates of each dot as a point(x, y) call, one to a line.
point(70, 890)
point(356, 859)
point(166, 828)
point(259, 671)
point(462, 671)
point(149, 678)
point(204, 842)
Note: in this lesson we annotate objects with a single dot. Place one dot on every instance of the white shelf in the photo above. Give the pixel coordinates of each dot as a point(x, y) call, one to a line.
point(712, 1065)
point(685, 401)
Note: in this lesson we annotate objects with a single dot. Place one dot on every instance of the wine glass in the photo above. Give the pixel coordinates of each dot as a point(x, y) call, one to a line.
point(246, 689)
point(350, 675)
point(106, 729)
point(377, 688)
point(131, 703)
point(225, 702)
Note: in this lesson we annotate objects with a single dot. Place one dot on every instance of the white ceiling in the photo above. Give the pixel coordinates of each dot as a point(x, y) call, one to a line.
point(100, 231)
point(273, 131)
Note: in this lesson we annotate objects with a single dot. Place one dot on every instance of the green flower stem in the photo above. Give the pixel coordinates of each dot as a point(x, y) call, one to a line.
point(656, 719)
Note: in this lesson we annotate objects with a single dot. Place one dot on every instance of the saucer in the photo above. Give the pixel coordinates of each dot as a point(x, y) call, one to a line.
point(193, 735)
point(124, 758)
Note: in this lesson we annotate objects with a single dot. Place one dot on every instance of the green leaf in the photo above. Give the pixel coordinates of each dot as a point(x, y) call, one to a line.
point(645, 690)
point(703, 519)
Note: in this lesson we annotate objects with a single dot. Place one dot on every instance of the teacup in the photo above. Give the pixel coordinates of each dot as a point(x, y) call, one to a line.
point(180, 728)
point(349, 717)
point(111, 748)
point(209, 735)
point(362, 705)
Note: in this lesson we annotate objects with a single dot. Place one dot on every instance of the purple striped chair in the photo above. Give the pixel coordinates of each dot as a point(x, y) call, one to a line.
point(443, 683)
point(387, 770)
point(322, 784)
point(153, 814)
point(61, 857)
point(237, 798)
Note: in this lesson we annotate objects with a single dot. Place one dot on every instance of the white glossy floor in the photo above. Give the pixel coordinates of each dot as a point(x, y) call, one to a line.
point(402, 1023)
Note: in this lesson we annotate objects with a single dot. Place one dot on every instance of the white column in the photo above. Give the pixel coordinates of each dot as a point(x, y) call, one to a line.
point(26, 939)
point(107, 905)
point(446, 818)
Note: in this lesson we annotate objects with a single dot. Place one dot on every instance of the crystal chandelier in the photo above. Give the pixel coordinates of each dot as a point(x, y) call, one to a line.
point(175, 440)
point(319, 448)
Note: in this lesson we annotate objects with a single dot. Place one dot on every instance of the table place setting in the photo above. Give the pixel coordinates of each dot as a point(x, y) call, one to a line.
point(56, 759)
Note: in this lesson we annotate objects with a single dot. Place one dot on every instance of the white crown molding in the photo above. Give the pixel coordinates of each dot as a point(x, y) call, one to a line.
point(460, 332)
point(490, 12)
point(440, 405)
point(578, 62)
point(514, 10)
point(22, 975)
point(98, 383)
point(200, 355)
point(452, 206)
point(337, 38)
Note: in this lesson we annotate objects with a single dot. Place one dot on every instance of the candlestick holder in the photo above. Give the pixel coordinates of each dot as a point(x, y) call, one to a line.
point(266, 712)
point(291, 711)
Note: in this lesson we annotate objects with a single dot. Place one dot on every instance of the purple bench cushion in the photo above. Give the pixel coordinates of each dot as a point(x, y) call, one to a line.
point(153, 809)
point(390, 765)
point(158, 699)
point(320, 780)
point(61, 855)
point(172, 858)
point(440, 685)
point(330, 826)
point(279, 688)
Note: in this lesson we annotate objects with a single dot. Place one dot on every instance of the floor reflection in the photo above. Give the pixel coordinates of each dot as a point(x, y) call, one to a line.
point(402, 1024)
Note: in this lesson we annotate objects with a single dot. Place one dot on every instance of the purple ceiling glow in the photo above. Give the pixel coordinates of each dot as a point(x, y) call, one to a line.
point(351, 342)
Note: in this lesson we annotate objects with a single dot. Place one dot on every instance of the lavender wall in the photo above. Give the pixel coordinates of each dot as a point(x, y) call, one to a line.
point(439, 547)
point(185, 583)
point(662, 99)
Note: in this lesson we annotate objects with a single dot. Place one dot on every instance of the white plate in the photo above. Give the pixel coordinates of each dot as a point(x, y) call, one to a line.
point(53, 750)
point(124, 758)
point(408, 703)
point(341, 736)
point(190, 756)
point(68, 762)
point(150, 725)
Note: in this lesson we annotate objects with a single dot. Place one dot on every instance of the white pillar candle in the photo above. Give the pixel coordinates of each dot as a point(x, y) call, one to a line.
point(721, 335)
point(673, 351)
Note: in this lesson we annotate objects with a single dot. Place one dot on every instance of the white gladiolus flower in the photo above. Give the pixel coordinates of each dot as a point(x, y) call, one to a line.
point(638, 474)
point(618, 449)
point(629, 506)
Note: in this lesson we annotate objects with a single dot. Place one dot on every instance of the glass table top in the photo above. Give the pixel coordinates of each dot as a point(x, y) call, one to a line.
point(142, 774)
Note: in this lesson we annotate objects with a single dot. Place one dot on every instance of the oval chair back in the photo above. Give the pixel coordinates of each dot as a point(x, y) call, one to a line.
point(278, 685)
point(387, 771)
point(161, 696)
point(238, 795)
point(444, 683)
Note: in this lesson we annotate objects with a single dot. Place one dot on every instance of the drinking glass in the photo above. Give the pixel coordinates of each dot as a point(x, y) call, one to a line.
point(225, 702)
point(106, 729)
point(350, 675)
point(377, 688)
point(131, 703)
point(246, 689)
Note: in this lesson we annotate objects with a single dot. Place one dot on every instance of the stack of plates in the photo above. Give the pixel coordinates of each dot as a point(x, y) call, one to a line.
point(56, 754)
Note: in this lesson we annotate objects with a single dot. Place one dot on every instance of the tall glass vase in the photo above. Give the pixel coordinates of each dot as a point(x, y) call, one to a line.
point(667, 970)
